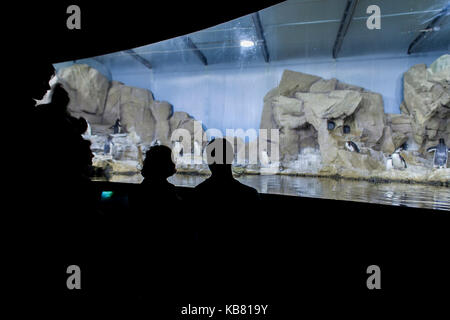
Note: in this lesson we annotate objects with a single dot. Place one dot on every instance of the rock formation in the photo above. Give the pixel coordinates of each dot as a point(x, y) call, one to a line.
point(183, 121)
point(87, 90)
point(102, 102)
point(316, 116)
point(144, 120)
point(427, 101)
point(311, 112)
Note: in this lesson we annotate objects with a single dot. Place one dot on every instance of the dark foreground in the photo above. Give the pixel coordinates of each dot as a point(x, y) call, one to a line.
point(296, 255)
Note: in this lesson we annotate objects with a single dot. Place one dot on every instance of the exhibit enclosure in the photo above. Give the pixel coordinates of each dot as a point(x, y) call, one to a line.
point(346, 100)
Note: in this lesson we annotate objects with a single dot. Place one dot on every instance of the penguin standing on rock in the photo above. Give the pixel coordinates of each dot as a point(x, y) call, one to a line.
point(116, 127)
point(351, 146)
point(177, 149)
point(397, 160)
point(440, 154)
point(107, 145)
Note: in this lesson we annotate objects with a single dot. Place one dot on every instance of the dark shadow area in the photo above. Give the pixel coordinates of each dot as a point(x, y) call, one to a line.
point(101, 22)
point(215, 246)
point(287, 251)
point(139, 247)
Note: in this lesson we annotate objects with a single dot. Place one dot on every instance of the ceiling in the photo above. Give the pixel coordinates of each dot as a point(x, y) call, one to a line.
point(302, 29)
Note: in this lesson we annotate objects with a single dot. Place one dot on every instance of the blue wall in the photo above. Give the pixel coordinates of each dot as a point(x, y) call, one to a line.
point(232, 98)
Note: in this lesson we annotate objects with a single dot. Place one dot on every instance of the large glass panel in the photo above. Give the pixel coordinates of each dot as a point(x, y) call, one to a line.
point(327, 98)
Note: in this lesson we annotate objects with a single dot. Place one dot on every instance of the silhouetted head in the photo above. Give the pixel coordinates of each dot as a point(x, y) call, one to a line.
point(220, 157)
point(60, 97)
point(441, 141)
point(78, 125)
point(158, 163)
point(58, 112)
point(82, 125)
point(76, 156)
point(57, 106)
point(86, 155)
point(39, 77)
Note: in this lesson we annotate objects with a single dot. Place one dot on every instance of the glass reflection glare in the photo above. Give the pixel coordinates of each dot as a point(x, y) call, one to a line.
point(247, 43)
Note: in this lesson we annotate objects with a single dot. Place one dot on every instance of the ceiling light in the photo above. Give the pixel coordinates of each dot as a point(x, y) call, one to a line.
point(247, 43)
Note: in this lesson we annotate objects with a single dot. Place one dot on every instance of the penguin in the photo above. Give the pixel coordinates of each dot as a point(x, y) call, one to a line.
point(351, 146)
point(397, 160)
point(116, 127)
point(177, 149)
point(107, 146)
point(389, 165)
point(440, 154)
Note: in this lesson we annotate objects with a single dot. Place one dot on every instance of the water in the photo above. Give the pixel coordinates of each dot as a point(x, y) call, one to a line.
point(397, 194)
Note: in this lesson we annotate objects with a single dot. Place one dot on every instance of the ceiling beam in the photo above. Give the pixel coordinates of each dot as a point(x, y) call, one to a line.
point(436, 22)
point(191, 46)
point(139, 58)
point(345, 23)
point(260, 36)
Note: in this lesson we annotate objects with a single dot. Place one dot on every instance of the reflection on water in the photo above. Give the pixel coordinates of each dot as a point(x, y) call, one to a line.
point(398, 194)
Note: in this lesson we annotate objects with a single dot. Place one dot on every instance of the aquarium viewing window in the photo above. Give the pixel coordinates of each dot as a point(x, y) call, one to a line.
point(317, 97)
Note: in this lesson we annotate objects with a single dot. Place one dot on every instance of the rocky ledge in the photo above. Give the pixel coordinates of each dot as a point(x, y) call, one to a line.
point(314, 117)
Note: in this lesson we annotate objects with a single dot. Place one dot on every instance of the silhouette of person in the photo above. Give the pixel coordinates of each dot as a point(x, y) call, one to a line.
point(38, 80)
point(155, 214)
point(64, 199)
point(66, 157)
point(221, 185)
point(155, 188)
point(225, 202)
point(56, 111)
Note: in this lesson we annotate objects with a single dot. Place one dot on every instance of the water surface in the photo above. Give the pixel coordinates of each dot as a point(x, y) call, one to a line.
point(397, 194)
